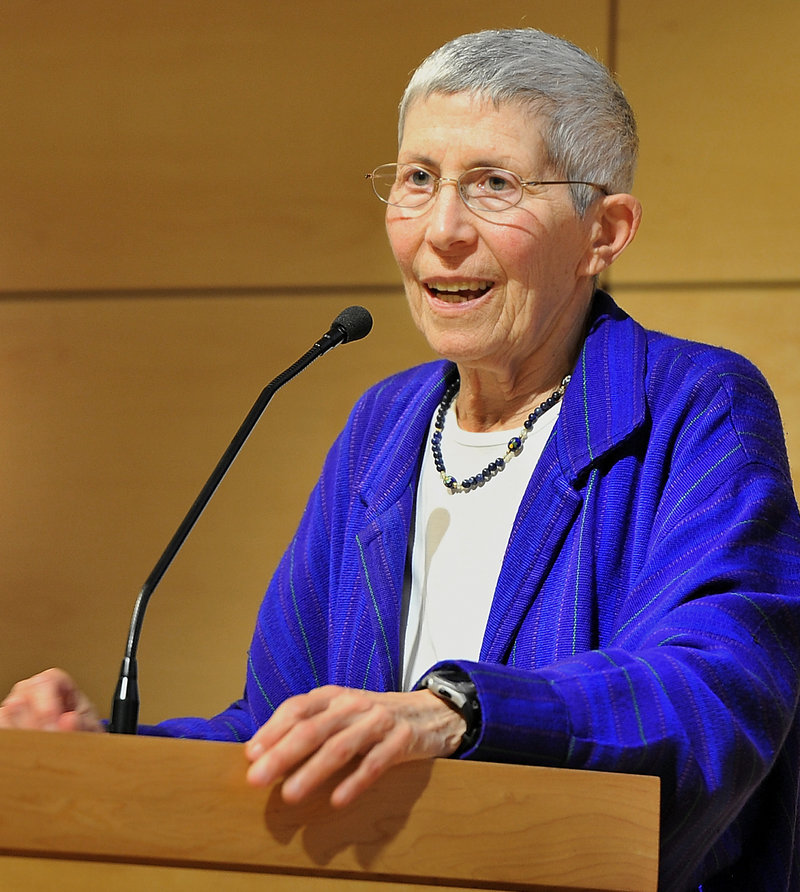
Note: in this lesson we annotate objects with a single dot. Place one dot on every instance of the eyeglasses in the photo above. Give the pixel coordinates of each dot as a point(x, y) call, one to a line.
point(481, 188)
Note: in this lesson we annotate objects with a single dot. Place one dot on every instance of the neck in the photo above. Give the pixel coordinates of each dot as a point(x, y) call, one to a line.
point(489, 403)
point(514, 446)
point(498, 392)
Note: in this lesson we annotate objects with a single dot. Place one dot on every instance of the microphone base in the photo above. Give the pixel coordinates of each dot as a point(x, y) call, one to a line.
point(125, 707)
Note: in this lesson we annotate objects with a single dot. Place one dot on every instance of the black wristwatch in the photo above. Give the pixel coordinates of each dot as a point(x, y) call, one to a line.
point(456, 689)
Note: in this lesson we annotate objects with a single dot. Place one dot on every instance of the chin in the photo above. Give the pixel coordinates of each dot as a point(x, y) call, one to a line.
point(460, 349)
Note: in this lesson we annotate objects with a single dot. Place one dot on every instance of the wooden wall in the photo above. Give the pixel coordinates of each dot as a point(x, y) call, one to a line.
point(152, 279)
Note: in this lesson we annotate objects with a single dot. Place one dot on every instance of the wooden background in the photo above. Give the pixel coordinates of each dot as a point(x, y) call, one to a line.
point(153, 279)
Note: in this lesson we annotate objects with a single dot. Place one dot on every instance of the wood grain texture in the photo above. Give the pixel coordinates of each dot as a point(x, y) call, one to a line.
point(716, 90)
point(197, 144)
point(186, 803)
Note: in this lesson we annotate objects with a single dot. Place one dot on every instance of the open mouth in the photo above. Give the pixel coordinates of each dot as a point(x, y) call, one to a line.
point(459, 292)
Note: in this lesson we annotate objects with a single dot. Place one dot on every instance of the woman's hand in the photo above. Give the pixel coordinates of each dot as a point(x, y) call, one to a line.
point(49, 701)
point(312, 736)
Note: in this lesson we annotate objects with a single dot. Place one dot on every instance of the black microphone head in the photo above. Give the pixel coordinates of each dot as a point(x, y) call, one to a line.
point(356, 322)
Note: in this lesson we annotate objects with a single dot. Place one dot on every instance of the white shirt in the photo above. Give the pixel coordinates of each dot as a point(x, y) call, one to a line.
point(459, 541)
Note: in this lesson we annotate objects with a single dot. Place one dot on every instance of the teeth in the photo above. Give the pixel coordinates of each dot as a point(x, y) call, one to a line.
point(455, 287)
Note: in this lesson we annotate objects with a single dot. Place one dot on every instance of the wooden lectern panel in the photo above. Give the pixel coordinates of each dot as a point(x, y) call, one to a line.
point(84, 805)
point(46, 874)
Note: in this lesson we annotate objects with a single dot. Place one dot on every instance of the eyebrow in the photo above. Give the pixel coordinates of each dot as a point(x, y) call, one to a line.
point(424, 161)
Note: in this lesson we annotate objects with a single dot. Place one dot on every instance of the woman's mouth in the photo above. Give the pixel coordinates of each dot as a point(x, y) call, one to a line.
point(459, 292)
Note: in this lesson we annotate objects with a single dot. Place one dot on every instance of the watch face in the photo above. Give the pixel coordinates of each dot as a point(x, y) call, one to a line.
point(457, 692)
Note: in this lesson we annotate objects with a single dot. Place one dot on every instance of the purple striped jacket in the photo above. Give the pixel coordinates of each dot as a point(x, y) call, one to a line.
point(647, 614)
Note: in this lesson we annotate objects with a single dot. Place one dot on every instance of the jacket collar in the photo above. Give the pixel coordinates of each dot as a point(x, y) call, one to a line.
point(605, 402)
point(604, 405)
point(396, 467)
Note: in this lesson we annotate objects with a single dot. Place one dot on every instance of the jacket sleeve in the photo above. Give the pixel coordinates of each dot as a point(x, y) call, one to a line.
point(698, 681)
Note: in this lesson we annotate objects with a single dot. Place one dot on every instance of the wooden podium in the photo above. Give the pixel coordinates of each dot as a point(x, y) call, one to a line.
point(91, 811)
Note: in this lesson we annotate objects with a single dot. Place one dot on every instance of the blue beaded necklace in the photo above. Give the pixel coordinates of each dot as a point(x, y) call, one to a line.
point(514, 447)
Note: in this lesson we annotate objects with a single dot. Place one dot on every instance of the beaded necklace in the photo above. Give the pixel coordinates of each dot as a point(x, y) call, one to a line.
point(514, 447)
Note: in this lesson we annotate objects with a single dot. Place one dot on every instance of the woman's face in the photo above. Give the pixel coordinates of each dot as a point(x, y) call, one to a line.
point(505, 293)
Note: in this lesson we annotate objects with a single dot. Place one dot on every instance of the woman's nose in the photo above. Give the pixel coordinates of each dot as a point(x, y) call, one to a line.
point(450, 221)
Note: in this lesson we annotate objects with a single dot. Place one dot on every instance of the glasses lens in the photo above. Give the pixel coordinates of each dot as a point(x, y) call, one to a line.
point(490, 189)
point(403, 185)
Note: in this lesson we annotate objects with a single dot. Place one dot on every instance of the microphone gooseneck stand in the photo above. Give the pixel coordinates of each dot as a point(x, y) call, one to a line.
point(350, 325)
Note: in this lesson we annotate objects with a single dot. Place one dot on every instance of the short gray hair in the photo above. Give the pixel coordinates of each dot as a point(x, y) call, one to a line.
point(589, 131)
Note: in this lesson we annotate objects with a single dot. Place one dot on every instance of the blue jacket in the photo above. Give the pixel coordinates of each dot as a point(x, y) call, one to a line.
point(647, 614)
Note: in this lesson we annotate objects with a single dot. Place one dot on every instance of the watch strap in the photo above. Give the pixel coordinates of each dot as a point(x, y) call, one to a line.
point(458, 690)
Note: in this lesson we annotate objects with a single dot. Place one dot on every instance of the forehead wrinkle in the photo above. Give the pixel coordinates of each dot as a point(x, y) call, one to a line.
point(449, 134)
point(478, 163)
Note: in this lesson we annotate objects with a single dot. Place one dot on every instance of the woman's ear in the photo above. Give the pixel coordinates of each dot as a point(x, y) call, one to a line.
point(616, 220)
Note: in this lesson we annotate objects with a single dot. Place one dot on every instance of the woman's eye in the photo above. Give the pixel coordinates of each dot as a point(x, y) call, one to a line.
point(497, 183)
point(419, 179)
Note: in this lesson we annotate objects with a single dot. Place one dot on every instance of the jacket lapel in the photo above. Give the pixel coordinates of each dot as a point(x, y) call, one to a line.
point(388, 493)
point(546, 515)
point(604, 404)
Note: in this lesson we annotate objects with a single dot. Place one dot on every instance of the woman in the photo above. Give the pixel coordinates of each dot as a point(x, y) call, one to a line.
point(572, 542)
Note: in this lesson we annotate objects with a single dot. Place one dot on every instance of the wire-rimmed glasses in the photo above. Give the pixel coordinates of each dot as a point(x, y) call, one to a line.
point(481, 188)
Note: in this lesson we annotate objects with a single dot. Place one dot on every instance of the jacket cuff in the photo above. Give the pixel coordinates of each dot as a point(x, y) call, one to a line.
point(523, 718)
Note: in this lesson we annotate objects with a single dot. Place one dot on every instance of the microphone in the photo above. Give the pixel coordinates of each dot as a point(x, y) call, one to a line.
point(351, 324)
